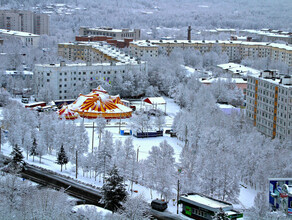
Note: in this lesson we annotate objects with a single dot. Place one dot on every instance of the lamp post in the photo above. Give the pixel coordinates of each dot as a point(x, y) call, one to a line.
point(92, 136)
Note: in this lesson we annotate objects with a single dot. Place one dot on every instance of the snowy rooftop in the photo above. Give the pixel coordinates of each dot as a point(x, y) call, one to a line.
point(211, 80)
point(12, 72)
point(17, 33)
point(57, 65)
point(238, 68)
point(274, 80)
point(273, 33)
point(158, 42)
point(108, 29)
point(206, 202)
point(106, 49)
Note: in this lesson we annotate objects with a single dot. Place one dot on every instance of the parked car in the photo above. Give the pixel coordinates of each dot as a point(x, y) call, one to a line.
point(159, 205)
point(24, 100)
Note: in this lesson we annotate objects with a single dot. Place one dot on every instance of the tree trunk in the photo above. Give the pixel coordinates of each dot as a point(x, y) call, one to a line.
point(61, 167)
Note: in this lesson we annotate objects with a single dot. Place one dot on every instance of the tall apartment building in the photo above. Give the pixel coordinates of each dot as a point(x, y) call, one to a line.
point(64, 80)
point(116, 34)
point(25, 21)
point(93, 52)
point(234, 49)
point(269, 104)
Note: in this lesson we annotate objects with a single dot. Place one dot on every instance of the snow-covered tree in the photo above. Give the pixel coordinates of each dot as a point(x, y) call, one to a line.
point(62, 157)
point(105, 153)
point(33, 149)
point(100, 125)
point(4, 97)
point(17, 158)
point(135, 208)
point(160, 170)
point(113, 190)
point(126, 159)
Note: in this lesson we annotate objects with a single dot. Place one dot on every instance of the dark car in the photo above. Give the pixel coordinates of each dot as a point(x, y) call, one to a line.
point(159, 205)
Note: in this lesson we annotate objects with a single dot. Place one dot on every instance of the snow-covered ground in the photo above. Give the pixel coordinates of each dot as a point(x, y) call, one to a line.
point(144, 144)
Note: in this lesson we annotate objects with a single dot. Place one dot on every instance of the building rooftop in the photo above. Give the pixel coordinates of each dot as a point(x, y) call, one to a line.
point(108, 50)
point(157, 42)
point(284, 81)
point(238, 69)
point(17, 33)
point(109, 29)
point(207, 202)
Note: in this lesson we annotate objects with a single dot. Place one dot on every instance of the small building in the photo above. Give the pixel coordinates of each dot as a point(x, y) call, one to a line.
point(27, 39)
point(201, 207)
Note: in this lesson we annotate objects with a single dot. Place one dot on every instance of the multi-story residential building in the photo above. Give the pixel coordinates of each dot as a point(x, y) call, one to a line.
point(64, 80)
point(26, 21)
point(116, 34)
point(93, 52)
point(236, 50)
point(269, 104)
point(26, 38)
point(41, 24)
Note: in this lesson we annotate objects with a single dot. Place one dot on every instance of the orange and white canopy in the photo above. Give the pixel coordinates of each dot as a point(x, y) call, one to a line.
point(99, 103)
point(67, 113)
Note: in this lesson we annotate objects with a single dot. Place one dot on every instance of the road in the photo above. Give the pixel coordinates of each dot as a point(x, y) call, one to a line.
point(88, 194)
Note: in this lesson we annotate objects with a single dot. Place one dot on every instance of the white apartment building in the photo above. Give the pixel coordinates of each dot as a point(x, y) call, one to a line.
point(234, 49)
point(92, 52)
point(117, 34)
point(25, 21)
point(63, 80)
point(26, 38)
point(269, 104)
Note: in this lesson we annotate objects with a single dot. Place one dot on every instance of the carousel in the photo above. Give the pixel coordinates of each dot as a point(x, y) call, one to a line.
point(97, 104)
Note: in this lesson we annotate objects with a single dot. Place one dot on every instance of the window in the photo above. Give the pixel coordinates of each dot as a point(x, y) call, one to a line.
point(48, 80)
point(48, 74)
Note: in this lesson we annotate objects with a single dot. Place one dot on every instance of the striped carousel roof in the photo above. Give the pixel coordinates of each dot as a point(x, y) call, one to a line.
point(67, 113)
point(99, 103)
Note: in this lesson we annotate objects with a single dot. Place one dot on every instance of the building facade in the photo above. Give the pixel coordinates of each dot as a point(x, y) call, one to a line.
point(65, 80)
point(116, 34)
point(93, 52)
point(235, 50)
point(25, 21)
point(269, 104)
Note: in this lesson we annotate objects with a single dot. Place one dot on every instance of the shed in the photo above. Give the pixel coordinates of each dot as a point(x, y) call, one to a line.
point(156, 101)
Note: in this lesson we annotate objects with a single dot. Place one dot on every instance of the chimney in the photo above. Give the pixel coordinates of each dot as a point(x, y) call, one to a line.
point(62, 63)
point(189, 33)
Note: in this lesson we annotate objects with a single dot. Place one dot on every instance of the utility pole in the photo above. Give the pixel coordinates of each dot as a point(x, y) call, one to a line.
point(92, 136)
point(177, 197)
point(132, 179)
point(76, 164)
point(138, 154)
point(0, 138)
point(120, 125)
